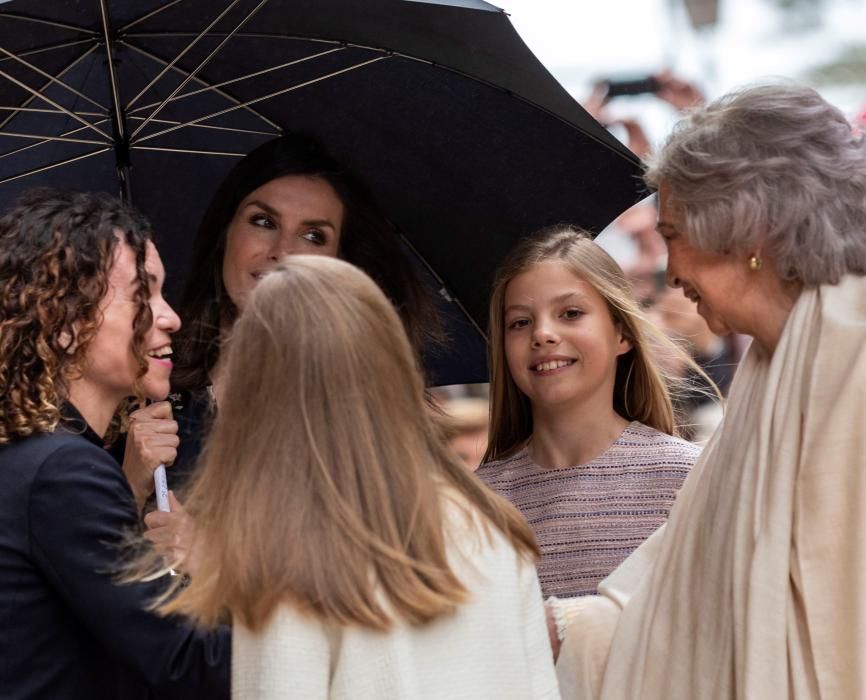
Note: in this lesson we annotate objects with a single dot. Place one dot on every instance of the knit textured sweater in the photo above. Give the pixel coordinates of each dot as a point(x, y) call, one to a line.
point(589, 517)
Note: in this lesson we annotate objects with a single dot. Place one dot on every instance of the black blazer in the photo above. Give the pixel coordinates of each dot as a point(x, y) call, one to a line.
point(67, 630)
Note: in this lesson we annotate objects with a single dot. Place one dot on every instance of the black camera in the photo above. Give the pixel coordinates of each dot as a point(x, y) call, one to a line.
point(637, 86)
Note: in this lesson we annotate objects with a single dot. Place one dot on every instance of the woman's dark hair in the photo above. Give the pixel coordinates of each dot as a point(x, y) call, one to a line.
point(368, 240)
point(56, 253)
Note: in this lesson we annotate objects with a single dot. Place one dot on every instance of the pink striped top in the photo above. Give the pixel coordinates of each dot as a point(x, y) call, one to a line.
point(590, 517)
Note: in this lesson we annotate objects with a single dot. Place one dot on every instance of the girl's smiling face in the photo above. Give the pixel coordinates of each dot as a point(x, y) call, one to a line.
point(561, 343)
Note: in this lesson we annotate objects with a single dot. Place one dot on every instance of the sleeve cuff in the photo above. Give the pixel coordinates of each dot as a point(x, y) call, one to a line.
point(560, 619)
point(565, 612)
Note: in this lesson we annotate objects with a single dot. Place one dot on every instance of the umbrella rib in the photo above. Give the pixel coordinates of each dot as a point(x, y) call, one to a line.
point(53, 165)
point(42, 143)
point(52, 47)
point(150, 14)
point(63, 72)
point(48, 139)
point(53, 104)
point(201, 65)
point(51, 23)
point(243, 77)
point(49, 111)
point(221, 93)
point(443, 287)
point(245, 35)
point(51, 78)
point(187, 150)
point(215, 127)
point(182, 54)
point(263, 97)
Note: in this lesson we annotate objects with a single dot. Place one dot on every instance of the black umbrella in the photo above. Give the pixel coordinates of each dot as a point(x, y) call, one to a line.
point(464, 137)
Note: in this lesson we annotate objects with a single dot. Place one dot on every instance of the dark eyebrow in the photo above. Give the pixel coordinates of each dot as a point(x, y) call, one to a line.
point(261, 205)
point(319, 222)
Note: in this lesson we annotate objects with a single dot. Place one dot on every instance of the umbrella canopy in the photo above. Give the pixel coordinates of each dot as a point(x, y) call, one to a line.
point(466, 140)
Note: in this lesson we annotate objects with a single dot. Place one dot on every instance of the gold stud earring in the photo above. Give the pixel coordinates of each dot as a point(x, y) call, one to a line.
point(755, 263)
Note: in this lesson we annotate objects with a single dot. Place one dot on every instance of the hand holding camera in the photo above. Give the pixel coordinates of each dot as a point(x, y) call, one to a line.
point(681, 94)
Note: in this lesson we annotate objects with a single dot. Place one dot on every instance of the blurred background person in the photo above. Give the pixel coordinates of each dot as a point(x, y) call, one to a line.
point(716, 355)
point(466, 423)
point(680, 94)
point(644, 264)
point(712, 44)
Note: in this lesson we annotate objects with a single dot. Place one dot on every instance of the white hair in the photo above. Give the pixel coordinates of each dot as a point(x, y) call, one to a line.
point(773, 167)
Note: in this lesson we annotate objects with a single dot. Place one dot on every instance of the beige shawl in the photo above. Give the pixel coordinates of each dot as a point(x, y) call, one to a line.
point(757, 586)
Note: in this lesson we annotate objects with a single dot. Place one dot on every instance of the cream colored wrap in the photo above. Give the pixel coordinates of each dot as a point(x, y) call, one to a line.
point(757, 586)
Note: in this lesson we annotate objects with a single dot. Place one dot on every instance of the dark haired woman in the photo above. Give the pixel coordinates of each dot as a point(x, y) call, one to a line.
point(83, 325)
point(287, 196)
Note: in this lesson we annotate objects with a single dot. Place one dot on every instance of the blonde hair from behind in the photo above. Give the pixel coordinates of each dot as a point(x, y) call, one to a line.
point(325, 483)
point(642, 391)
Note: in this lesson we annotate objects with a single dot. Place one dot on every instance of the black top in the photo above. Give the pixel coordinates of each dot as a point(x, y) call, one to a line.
point(66, 629)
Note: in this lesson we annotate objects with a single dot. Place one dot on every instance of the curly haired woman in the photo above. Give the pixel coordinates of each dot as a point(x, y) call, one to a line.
point(83, 325)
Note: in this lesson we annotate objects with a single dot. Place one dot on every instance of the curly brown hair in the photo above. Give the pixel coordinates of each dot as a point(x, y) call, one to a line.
point(56, 252)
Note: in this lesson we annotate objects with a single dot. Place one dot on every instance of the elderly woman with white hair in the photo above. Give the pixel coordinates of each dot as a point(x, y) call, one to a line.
point(756, 587)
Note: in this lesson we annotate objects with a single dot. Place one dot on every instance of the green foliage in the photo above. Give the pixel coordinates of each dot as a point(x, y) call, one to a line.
point(848, 68)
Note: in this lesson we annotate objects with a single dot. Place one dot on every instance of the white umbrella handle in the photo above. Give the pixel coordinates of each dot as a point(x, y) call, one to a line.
point(161, 486)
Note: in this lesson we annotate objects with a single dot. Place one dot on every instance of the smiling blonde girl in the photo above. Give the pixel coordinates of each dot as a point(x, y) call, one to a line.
point(583, 433)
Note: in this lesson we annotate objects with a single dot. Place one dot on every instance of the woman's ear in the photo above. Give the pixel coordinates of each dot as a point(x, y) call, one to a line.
point(625, 342)
point(67, 340)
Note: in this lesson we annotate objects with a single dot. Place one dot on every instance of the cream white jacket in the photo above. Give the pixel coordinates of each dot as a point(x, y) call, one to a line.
point(495, 646)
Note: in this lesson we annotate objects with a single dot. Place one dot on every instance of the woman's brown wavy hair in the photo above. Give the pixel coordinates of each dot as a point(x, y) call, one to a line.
point(325, 483)
point(56, 251)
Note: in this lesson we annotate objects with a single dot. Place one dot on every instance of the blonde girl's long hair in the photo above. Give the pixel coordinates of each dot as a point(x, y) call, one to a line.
point(642, 391)
point(325, 483)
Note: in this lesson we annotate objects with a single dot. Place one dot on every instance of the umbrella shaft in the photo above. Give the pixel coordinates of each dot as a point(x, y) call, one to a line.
point(118, 122)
